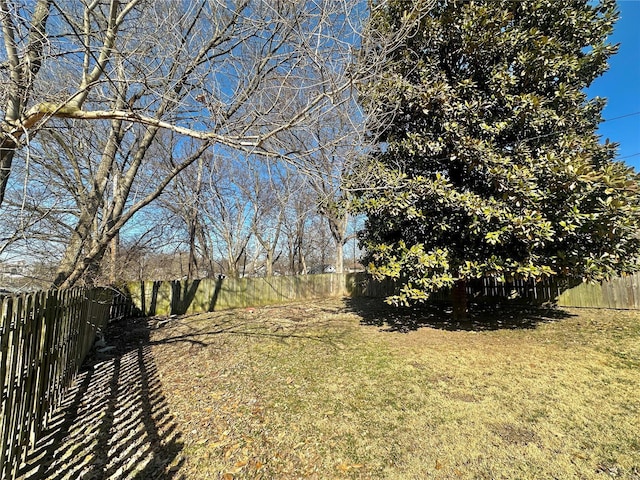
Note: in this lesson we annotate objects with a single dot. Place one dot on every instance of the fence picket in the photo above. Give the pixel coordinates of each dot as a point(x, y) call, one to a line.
point(34, 404)
point(7, 333)
point(25, 373)
point(15, 346)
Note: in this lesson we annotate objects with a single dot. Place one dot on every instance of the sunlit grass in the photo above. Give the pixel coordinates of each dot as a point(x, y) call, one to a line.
point(311, 391)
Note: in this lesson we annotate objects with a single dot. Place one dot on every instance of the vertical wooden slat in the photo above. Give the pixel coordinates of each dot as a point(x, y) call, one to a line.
point(61, 320)
point(72, 327)
point(72, 334)
point(17, 407)
point(39, 401)
point(15, 346)
point(24, 380)
point(39, 318)
point(54, 322)
point(71, 309)
point(57, 321)
point(6, 342)
point(95, 317)
point(76, 340)
point(32, 382)
point(85, 327)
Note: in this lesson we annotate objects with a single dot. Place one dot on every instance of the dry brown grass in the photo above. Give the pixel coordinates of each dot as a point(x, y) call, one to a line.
point(329, 390)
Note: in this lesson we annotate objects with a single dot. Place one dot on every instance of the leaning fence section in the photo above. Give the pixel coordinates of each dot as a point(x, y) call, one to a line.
point(44, 338)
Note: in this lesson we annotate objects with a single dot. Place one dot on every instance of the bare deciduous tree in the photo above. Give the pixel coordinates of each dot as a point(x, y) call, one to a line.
point(239, 75)
point(220, 71)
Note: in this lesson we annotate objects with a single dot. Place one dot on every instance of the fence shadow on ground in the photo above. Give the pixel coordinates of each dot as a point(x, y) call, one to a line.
point(114, 422)
point(376, 312)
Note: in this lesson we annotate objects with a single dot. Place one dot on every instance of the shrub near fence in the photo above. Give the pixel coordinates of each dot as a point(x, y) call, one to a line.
point(45, 337)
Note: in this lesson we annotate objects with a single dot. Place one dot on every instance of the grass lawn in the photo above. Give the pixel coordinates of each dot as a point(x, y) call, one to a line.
point(351, 389)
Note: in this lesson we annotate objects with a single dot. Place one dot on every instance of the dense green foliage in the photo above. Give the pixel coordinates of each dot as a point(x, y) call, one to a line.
point(490, 163)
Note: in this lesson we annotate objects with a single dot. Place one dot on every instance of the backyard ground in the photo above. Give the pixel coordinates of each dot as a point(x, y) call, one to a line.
point(351, 389)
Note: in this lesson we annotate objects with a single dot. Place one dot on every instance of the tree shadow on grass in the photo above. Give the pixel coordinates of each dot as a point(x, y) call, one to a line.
point(280, 323)
point(114, 422)
point(374, 311)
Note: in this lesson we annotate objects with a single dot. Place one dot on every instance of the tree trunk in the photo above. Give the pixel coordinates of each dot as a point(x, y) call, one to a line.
point(269, 263)
point(302, 264)
point(459, 300)
point(7, 151)
point(68, 278)
point(22, 73)
point(192, 268)
point(338, 228)
point(113, 271)
point(339, 257)
point(193, 223)
point(74, 249)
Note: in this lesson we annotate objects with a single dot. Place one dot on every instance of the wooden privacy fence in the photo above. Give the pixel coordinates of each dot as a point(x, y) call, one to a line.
point(206, 295)
point(182, 296)
point(45, 337)
point(619, 293)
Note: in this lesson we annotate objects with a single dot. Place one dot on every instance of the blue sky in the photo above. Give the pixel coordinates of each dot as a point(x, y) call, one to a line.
point(621, 86)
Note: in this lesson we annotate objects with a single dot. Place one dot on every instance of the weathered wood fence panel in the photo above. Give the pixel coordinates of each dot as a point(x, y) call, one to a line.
point(44, 338)
point(619, 293)
point(206, 295)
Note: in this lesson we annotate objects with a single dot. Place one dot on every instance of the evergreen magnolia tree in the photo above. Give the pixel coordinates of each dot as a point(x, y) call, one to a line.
point(489, 163)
